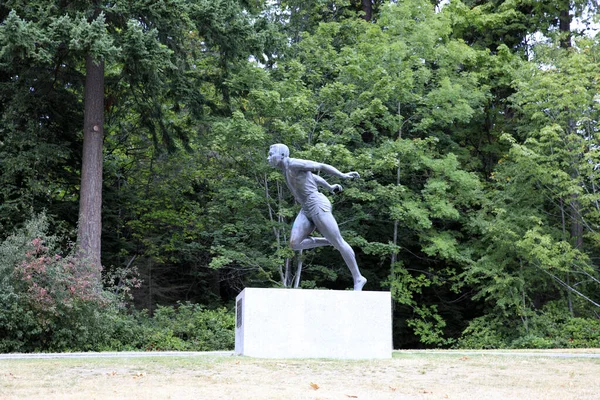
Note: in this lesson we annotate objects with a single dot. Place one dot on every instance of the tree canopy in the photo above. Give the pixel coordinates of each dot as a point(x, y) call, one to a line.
point(473, 125)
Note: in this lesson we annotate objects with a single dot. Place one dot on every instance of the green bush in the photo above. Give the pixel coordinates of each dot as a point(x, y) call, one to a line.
point(551, 327)
point(129, 331)
point(164, 339)
point(187, 326)
point(52, 302)
point(483, 333)
point(582, 332)
point(532, 341)
point(199, 328)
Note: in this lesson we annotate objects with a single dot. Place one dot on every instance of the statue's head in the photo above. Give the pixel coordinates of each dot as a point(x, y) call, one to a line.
point(277, 153)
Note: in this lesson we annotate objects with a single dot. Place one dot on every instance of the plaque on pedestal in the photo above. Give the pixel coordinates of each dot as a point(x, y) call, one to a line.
point(287, 323)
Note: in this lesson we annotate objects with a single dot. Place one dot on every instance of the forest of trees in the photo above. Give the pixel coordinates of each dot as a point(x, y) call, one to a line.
point(134, 187)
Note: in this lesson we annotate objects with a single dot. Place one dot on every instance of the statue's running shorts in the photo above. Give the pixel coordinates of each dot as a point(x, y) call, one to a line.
point(316, 203)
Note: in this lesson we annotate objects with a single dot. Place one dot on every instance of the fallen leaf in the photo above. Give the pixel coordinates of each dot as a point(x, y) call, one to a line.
point(314, 386)
point(393, 389)
point(352, 396)
point(465, 358)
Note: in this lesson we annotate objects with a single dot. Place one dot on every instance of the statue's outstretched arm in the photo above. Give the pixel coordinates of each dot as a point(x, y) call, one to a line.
point(328, 169)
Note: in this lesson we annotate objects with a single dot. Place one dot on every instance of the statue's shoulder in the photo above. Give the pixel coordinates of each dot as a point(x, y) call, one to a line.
point(299, 164)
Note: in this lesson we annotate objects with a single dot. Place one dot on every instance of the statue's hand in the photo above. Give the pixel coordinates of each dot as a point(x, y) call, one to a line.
point(336, 188)
point(351, 175)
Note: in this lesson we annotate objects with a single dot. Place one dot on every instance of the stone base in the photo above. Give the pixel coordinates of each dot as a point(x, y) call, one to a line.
point(300, 323)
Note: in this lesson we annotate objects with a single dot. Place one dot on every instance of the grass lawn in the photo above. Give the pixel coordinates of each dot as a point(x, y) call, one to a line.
point(408, 375)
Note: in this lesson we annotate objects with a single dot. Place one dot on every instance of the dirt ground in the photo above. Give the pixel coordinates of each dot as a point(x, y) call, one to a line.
point(408, 375)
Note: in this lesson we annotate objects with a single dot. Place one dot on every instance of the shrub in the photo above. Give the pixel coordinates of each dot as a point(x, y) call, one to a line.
point(52, 301)
point(551, 327)
point(201, 329)
point(483, 333)
point(532, 341)
point(48, 302)
point(185, 327)
point(582, 332)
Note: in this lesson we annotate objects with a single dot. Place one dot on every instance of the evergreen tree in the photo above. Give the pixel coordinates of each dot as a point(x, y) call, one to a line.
point(146, 57)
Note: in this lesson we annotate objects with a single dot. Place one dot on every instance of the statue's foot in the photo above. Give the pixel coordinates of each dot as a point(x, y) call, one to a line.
point(359, 283)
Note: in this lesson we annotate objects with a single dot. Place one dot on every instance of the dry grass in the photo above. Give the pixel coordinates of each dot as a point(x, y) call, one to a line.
point(409, 375)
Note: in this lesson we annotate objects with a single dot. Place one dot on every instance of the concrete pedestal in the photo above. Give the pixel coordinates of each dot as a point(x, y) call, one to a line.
point(300, 323)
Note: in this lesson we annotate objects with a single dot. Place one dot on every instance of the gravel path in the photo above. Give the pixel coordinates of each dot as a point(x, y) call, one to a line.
point(592, 353)
point(120, 354)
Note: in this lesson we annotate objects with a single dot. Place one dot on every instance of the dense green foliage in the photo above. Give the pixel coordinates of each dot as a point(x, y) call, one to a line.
point(47, 304)
point(477, 207)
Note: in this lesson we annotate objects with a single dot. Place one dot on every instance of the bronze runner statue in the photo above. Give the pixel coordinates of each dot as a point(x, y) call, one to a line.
point(316, 208)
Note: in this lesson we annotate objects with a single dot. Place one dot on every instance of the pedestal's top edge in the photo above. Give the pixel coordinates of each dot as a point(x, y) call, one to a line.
point(288, 290)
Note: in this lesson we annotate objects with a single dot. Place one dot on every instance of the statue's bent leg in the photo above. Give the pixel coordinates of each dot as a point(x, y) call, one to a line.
point(328, 227)
point(312, 242)
point(301, 230)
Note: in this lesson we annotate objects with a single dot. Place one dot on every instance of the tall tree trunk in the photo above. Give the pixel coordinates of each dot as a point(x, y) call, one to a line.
point(576, 222)
point(396, 222)
point(367, 7)
point(90, 198)
point(564, 237)
point(564, 25)
point(575, 214)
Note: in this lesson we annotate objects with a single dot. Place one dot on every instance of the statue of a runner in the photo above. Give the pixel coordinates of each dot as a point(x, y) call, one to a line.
point(316, 208)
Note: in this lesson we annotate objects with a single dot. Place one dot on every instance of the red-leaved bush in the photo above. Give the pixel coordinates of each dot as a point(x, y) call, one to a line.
point(53, 300)
point(50, 298)
point(53, 283)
